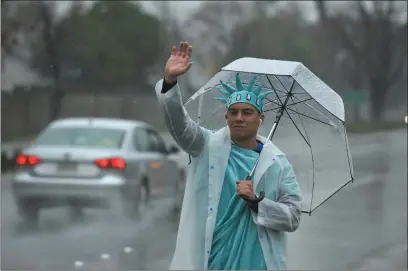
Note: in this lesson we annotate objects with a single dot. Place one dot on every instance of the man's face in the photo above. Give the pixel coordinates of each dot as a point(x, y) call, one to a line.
point(243, 120)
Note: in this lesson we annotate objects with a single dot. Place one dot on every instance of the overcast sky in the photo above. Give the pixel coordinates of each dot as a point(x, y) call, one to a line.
point(185, 8)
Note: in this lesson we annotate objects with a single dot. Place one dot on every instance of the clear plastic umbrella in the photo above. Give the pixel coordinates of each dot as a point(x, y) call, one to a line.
point(304, 117)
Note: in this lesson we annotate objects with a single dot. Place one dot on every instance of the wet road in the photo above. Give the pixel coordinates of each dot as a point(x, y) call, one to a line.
point(362, 227)
point(365, 221)
point(60, 242)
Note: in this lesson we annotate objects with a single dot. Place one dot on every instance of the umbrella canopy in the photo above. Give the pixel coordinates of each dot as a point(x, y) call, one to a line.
point(311, 130)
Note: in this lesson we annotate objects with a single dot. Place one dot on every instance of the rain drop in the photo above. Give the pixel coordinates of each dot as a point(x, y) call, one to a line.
point(105, 256)
point(128, 249)
point(78, 264)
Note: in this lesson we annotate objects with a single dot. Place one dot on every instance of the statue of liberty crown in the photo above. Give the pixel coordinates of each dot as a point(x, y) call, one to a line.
point(243, 95)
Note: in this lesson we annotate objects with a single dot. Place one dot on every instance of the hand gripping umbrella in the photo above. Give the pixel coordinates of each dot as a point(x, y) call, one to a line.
point(303, 115)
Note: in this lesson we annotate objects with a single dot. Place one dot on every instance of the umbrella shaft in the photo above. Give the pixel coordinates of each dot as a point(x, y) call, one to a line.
point(272, 132)
point(257, 160)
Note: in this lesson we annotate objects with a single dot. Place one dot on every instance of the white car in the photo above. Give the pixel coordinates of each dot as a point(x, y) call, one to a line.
point(93, 162)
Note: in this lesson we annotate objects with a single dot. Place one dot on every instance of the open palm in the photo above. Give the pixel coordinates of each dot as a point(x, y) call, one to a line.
point(178, 62)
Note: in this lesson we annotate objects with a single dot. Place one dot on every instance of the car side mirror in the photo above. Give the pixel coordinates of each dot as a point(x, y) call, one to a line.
point(173, 149)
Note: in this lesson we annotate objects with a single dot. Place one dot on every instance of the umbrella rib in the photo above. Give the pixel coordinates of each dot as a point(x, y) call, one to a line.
point(277, 96)
point(273, 109)
point(314, 109)
point(307, 142)
point(335, 192)
point(299, 101)
point(301, 121)
point(304, 102)
point(287, 111)
point(311, 153)
point(284, 92)
point(317, 111)
point(284, 108)
point(287, 105)
point(271, 101)
point(309, 117)
point(348, 156)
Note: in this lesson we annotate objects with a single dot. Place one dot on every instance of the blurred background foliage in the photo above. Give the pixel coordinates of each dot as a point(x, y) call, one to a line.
point(118, 48)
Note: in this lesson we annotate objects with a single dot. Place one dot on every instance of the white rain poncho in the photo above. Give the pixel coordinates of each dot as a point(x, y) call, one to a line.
point(278, 213)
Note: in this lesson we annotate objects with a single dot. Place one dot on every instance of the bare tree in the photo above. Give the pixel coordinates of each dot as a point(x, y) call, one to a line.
point(171, 34)
point(47, 15)
point(210, 28)
point(373, 43)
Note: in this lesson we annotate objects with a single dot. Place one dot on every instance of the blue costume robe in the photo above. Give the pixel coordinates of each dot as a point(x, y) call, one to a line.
point(235, 241)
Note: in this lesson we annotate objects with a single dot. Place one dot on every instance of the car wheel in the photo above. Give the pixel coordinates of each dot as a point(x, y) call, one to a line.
point(76, 212)
point(144, 197)
point(29, 212)
point(179, 193)
point(135, 203)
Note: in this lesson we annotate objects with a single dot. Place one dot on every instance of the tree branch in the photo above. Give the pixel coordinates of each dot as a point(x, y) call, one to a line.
point(49, 41)
point(390, 10)
point(364, 15)
point(400, 55)
point(322, 10)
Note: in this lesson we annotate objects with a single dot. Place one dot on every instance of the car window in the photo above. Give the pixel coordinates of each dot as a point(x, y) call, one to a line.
point(92, 137)
point(156, 143)
point(140, 140)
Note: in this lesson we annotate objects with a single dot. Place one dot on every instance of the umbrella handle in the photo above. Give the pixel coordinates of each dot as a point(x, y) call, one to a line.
point(257, 199)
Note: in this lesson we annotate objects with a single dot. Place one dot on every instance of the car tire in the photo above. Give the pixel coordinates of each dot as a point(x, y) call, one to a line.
point(29, 212)
point(179, 193)
point(143, 198)
point(76, 212)
point(135, 203)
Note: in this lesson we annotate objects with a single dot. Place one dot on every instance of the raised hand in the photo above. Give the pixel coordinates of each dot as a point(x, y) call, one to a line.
point(178, 62)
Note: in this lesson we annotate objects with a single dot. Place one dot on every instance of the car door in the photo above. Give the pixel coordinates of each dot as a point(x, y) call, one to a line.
point(138, 157)
point(145, 159)
point(172, 171)
point(164, 173)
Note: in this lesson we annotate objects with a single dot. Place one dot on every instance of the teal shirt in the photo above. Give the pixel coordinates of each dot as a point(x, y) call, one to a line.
point(235, 241)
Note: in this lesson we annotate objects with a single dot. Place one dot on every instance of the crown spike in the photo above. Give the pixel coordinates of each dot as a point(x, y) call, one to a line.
point(263, 95)
point(223, 92)
point(228, 87)
point(240, 87)
point(223, 100)
point(257, 90)
point(232, 95)
point(251, 84)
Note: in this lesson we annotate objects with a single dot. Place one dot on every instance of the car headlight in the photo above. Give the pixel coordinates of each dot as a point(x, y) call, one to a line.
point(406, 119)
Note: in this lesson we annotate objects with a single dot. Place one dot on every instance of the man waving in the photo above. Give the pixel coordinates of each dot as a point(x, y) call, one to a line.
point(221, 228)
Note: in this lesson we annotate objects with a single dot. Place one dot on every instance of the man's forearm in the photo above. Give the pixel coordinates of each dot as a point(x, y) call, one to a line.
point(167, 86)
point(187, 134)
point(278, 216)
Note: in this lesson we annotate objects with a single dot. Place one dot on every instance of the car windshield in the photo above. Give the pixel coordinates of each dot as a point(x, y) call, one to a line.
point(93, 137)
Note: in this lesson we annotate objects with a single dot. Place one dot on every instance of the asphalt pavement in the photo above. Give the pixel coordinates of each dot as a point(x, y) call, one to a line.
point(364, 226)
